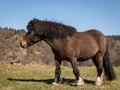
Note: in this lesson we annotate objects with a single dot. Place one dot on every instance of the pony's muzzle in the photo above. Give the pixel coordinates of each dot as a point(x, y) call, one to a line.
point(23, 43)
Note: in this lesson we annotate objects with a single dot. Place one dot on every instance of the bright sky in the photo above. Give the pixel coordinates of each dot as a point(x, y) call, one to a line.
point(103, 15)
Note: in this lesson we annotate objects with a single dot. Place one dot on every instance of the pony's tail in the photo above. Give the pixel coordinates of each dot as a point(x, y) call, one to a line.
point(108, 69)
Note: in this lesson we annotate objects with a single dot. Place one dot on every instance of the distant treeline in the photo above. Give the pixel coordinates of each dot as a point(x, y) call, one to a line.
point(115, 37)
point(6, 28)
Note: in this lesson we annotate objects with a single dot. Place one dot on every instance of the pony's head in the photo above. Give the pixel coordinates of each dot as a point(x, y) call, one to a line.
point(31, 36)
point(40, 30)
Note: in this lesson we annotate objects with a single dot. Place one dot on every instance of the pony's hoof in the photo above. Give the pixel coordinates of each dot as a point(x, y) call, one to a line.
point(80, 82)
point(55, 84)
point(98, 81)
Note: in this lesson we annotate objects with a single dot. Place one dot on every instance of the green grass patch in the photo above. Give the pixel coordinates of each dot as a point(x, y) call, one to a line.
point(40, 77)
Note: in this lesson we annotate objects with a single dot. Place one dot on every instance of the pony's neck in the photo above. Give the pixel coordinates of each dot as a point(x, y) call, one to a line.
point(50, 42)
point(53, 43)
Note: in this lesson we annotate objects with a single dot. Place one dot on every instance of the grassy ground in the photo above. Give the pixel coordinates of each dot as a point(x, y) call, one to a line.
point(40, 77)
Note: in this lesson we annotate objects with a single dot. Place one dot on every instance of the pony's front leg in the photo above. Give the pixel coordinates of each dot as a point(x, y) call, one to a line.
point(57, 80)
point(80, 81)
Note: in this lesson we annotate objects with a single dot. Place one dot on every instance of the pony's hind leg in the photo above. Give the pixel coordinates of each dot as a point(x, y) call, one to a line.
point(98, 61)
point(80, 81)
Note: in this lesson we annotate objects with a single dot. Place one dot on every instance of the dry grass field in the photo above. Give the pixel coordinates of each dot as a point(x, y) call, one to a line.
point(40, 77)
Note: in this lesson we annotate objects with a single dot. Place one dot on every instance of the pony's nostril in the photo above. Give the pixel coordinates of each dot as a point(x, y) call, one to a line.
point(23, 43)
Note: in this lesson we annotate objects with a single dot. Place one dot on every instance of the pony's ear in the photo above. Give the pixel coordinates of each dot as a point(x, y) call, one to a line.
point(31, 24)
point(34, 25)
point(35, 20)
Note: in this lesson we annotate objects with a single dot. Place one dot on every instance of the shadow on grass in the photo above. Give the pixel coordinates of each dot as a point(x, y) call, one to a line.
point(49, 81)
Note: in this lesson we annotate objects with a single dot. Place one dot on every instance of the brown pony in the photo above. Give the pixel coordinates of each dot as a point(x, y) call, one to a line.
point(68, 44)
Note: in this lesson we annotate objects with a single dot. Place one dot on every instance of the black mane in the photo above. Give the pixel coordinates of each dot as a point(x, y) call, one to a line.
point(50, 29)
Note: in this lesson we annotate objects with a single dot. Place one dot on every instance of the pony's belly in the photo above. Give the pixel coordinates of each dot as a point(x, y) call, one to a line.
point(81, 59)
